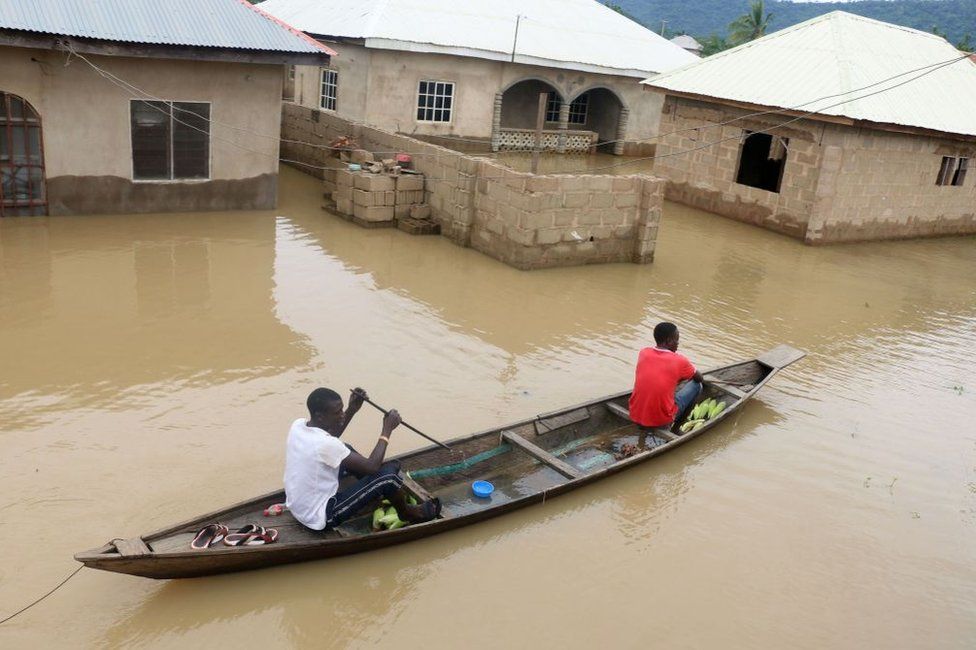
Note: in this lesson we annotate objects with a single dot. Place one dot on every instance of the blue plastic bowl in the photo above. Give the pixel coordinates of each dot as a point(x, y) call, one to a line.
point(482, 488)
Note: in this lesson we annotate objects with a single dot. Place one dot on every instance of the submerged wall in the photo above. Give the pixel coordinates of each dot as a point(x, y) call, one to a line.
point(526, 220)
point(86, 130)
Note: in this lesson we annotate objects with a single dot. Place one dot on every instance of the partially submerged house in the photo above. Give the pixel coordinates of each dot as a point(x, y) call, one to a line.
point(840, 128)
point(468, 73)
point(136, 106)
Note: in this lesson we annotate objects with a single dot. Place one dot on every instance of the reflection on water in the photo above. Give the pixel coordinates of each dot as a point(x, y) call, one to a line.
point(152, 363)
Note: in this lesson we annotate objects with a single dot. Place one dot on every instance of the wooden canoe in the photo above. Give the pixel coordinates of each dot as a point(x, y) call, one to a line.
point(528, 462)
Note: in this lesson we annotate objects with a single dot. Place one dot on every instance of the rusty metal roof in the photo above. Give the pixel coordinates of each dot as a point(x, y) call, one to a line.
point(842, 65)
point(232, 24)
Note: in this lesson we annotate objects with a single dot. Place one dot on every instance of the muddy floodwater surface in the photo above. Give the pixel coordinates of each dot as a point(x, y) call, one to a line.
point(150, 366)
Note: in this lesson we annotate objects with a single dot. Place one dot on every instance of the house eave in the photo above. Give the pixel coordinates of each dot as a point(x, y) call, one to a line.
point(815, 117)
point(43, 41)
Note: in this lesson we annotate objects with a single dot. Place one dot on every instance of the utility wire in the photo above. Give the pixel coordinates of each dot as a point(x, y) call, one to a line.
point(928, 70)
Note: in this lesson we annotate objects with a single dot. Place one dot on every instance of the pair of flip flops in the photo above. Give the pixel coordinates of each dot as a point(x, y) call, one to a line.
point(209, 535)
point(250, 535)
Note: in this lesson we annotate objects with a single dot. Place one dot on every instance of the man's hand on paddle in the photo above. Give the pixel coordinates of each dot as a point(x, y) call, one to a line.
point(356, 398)
point(391, 421)
point(363, 466)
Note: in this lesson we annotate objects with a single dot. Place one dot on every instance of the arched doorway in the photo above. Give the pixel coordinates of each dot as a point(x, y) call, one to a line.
point(520, 104)
point(22, 191)
point(600, 110)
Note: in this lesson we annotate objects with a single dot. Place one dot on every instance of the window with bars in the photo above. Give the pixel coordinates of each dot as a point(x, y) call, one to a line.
point(553, 103)
point(435, 101)
point(330, 89)
point(170, 140)
point(577, 108)
point(21, 159)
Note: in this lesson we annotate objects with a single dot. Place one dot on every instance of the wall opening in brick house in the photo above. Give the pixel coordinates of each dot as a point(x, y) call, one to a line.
point(952, 171)
point(762, 158)
point(960, 176)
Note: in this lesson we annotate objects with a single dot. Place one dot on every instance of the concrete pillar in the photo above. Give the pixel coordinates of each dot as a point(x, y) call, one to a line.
point(648, 218)
point(618, 146)
point(496, 123)
point(563, 126)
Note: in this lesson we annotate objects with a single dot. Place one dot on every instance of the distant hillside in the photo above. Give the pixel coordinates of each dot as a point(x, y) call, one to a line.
point(703, 17)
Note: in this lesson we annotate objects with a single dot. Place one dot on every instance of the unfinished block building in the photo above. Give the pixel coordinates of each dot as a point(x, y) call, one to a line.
point(838, 129)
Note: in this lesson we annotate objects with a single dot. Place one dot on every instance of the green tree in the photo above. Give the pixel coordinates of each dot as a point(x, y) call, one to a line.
point(620, 10)
point(713, 44)
point(966, 44)
point(751, 25)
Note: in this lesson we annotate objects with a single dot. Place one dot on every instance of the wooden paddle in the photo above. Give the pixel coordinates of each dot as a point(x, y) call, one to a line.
point(412, 428)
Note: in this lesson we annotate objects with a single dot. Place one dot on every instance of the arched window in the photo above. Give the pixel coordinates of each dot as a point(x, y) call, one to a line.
point(21, 159)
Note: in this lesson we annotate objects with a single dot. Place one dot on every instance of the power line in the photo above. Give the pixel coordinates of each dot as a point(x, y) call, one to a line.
point(928, 70)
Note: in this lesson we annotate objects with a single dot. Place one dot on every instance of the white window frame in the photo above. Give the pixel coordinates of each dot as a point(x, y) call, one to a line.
point(553, 104)
point(431, 109)
point(575, 110)
point(324, 85)
point(132, 158)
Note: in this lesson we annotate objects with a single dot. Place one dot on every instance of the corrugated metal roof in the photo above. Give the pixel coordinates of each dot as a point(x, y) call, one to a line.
point(834, 56)
point(573, 34)
point(202, 23)
point(686, 42)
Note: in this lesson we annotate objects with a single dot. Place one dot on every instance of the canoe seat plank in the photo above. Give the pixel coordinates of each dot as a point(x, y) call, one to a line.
point(542, 455)
point(133, 547)
point(545, 423)
point(664, 433)
point(734, 391)
point(618, 410)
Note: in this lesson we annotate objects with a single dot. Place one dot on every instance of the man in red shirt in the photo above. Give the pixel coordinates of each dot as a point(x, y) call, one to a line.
point(657, 401)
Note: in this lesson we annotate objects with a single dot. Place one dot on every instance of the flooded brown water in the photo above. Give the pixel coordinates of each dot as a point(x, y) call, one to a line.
point(152, 364)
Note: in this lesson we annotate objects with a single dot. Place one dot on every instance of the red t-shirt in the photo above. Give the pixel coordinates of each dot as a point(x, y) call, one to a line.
point(658, 373)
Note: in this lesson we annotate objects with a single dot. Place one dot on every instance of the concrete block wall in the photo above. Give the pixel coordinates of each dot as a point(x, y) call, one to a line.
point(526, 220)
point(705, 178)
point(882, 185)
point(840, 183)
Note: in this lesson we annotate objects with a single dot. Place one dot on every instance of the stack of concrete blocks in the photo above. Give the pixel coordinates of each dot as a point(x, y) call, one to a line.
point(374, 200)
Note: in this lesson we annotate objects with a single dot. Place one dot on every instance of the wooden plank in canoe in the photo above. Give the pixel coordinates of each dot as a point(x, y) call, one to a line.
point(734, 391)
point(541, 454)
point(132, 547)
point(619, 411)
point(415, 488)
point(551, 421)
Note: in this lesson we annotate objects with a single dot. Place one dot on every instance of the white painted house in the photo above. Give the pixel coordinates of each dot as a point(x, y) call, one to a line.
point(470, 69)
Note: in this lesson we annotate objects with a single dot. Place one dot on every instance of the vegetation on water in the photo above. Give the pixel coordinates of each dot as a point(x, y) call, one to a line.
point(709, 20)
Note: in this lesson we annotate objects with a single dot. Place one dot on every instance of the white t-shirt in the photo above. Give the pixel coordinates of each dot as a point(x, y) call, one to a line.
point(312, 459)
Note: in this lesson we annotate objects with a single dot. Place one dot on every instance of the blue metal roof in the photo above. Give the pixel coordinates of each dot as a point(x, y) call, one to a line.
point(231, 24)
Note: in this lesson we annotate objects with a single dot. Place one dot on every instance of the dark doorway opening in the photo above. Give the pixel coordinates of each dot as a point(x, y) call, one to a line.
point(762, 159)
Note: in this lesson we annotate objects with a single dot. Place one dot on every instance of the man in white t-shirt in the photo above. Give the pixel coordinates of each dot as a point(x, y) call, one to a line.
point(315, 458)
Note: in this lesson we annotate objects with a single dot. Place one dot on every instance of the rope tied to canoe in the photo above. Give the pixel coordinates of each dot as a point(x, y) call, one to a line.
point(59, 585)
